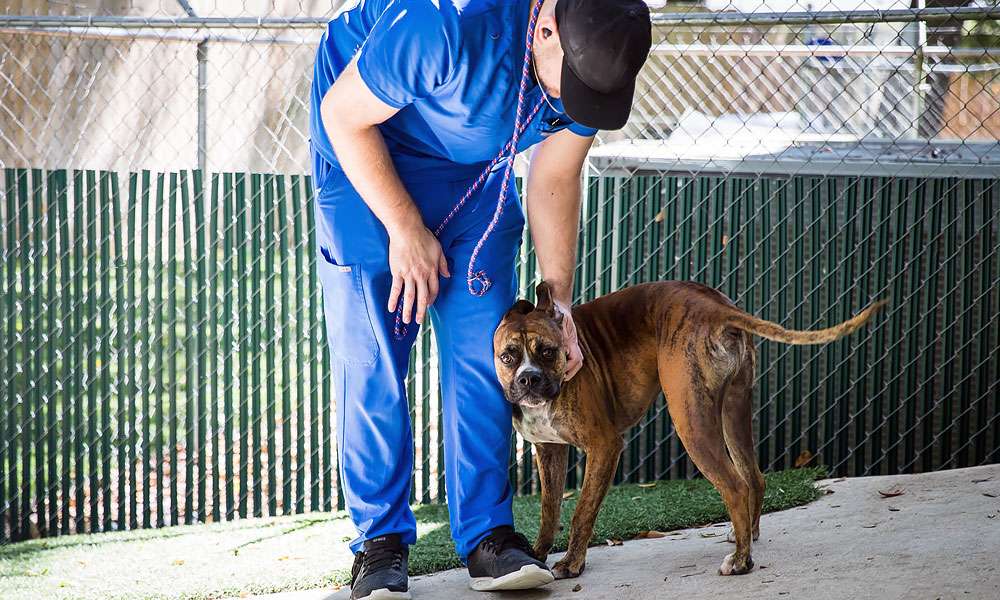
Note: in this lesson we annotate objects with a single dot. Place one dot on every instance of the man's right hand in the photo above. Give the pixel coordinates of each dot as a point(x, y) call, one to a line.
point(415, 260)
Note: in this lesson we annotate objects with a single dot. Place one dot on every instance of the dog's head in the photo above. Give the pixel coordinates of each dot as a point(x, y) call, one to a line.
point(528, 351)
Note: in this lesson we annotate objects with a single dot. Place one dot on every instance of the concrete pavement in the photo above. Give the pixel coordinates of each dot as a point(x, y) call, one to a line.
point(939, 539)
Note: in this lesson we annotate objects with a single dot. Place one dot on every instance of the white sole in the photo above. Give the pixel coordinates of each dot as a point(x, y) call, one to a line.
point(526, 578)
point(386, 594)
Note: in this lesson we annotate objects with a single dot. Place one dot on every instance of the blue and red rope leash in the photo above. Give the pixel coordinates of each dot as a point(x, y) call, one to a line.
point(479, 282)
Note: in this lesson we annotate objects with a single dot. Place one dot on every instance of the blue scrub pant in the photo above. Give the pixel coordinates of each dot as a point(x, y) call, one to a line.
point(374, 438)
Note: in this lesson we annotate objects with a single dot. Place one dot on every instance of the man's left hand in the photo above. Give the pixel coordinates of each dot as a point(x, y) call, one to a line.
point(574, 358)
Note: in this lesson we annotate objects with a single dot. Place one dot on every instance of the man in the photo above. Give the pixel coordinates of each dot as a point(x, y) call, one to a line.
point(411, 100)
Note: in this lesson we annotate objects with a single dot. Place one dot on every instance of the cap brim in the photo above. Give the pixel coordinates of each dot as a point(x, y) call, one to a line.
point(592, 108)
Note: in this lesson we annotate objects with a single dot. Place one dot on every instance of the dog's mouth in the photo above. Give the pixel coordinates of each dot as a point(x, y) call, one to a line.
point(532, 398)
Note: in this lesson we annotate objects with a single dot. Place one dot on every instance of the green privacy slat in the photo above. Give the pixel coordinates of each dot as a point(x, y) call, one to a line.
point(122, 273)
point(285, 278)
point(917, 276)
point(161, 356)
point(92, 388)
point(987, 287)
point(8, 472)
point(136, 389)
point(253, 335)
point(861, 388)
point(66, 333)
point(950, 311)
point(299, 207)
point(315, 335)
point(173, 366)
point(797, 317)
point(50, 280)
point(228, 292)
point(241, 244)
point(830, 293)
point(781, 206)
point(214, 239)
point(202, 349)
point(106, 335)
point(27, 400)
point(966, 387)
point(762, 198)
point(269, 382)
point(146, 310)
point(192, 454)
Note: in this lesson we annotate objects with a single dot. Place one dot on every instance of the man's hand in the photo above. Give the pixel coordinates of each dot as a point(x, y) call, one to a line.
point(574, 358)
point(415, 260)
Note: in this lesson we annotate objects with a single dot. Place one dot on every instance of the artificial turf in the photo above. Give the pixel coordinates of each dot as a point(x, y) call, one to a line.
point(308, 551)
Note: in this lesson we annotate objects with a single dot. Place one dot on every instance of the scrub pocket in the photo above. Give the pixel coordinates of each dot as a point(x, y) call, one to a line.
point(348, 321)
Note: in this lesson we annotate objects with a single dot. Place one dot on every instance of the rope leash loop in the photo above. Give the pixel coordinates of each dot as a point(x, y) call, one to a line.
point(478, 282)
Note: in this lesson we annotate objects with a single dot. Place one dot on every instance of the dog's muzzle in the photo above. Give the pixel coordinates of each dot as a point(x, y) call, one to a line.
point(532, 387)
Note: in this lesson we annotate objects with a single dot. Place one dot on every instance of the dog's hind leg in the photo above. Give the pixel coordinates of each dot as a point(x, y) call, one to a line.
point(737, 425)
point(697, 417)
point(552, 461)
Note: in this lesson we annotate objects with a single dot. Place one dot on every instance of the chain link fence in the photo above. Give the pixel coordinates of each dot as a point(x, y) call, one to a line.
point(162, 352)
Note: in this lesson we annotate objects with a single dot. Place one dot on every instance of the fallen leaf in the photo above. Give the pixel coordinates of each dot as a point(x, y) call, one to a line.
point(693, 574)
point(708, 534)
point(577, 587)
point(989, 494)
point(687, 566)
point(892, 493)
point(282, 558)
point(767, 581)
point(981, 480)
point(725, 240)
point(647, 485)
point(873, 526)
point(893, 509)
point(643, 535)
point(611, 542)
point(568, 495)
point(177, 562)
point(804, 459)
point(659, 217)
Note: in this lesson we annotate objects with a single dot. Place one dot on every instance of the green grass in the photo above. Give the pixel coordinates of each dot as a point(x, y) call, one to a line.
point(308, 551)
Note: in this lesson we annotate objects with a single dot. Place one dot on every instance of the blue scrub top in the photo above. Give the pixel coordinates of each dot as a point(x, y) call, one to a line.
point(451, 67)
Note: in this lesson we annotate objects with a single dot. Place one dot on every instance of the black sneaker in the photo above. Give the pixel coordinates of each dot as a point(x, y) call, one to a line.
point(504, 561)
point(379, 571)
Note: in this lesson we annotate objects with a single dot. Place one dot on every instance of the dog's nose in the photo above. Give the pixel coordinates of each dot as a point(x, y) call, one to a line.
point(529, 379)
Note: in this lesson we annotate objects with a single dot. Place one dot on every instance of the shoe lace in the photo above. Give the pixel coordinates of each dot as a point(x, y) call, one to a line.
point(376, 559)
point(503, 538)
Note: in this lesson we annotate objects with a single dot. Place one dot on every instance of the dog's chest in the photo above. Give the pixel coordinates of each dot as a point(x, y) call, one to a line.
point(536, 426)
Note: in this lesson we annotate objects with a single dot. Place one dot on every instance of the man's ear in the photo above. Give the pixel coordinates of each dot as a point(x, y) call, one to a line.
point(521, 307)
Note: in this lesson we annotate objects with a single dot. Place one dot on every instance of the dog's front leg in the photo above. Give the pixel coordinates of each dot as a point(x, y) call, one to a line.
point(602, 460)
point(551, 460)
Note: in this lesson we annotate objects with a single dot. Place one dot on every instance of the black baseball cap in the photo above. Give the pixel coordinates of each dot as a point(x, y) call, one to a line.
point(605, 43)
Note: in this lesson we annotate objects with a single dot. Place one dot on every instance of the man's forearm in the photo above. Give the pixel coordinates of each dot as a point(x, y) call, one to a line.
point(554, 219)
point(365, 160)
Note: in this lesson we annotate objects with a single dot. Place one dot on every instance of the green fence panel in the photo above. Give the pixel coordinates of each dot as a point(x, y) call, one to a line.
point(165, 361)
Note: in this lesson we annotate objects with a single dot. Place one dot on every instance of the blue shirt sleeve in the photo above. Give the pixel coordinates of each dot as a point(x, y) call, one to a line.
point(408, 53)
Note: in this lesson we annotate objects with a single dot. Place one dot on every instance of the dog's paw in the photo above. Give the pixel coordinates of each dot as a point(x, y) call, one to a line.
point(541, 552)
point(733, 566)
point(564, 570)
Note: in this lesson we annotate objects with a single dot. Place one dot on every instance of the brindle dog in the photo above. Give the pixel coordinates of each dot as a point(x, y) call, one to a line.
point(682, 338)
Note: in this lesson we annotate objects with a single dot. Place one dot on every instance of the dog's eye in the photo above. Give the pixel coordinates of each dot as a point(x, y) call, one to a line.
point(549, 353)
point(506, 358)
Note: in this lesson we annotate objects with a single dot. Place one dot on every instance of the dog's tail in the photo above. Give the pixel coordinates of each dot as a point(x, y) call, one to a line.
point(777, 333)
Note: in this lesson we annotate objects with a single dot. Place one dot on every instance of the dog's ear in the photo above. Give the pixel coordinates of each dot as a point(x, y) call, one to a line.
point(543, 297)
point(521, 307)
point(543, 294)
